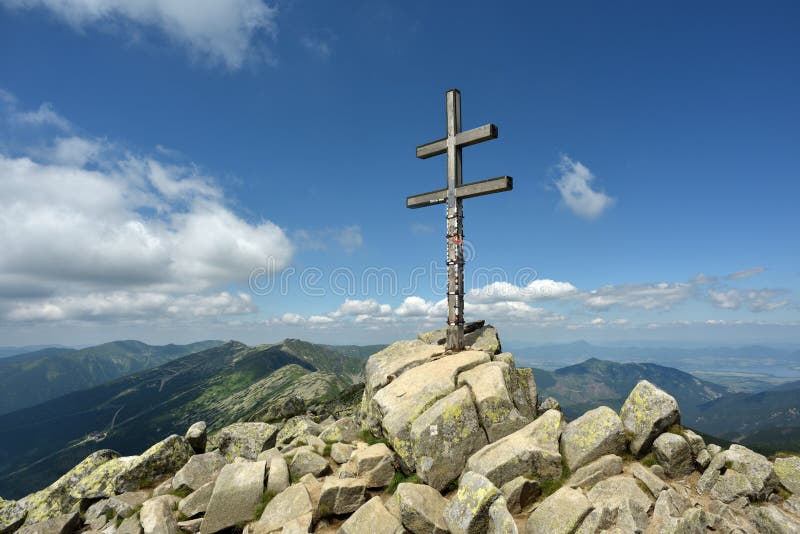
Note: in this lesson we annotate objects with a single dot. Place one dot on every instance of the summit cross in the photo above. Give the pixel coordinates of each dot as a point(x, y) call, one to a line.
point(453, 195)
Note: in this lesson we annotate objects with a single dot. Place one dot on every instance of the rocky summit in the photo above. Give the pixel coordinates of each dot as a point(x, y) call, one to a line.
point(440, 443)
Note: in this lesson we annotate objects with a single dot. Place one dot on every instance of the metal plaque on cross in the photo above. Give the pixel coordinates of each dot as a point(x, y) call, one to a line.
point(453, 195)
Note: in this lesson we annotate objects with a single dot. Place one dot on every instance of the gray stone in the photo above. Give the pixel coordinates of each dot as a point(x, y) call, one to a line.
point(198, 471)
point(164, 458)
point(421, 509)
point(372, 518)
point(655, 484)
point(278, 479)
point(314, 489)
point(345, 430)
point(156, 516)
point(405, 398)
point(60, 524)
point(713, 449)
point(247, 440)
point(731, 485)
point(237, 495)
point(56, 500)
point(98, 514)
point(646, 413)
point(527, 400)
point(594, 434)
point(623, 495)
point(131, 525)
point(196, 436)
point(520, 493)
point(468, 511)
point(103, 481)
point(341, 495)
point(601, 469)
point(307, 461)
point(190, 526)
point(531, 450)
point(490, 384)
point(290, 504)
point(792, 504)
point(375, 465)
point(560, 513)
point(673, 453)
point(267, 456)
point(695, 441)
point(549, 404)
point(788, 472)
point(500, 519)
point(340, 452)
point(163, 488)
point(598, 520)
point(703, 459)
point(770, 519)
point(445, 436)
point(196, 502)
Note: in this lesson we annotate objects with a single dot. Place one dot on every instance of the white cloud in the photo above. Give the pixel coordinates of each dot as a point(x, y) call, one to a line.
point(756, 300)
point(90, 231)
point(226, 32)
point(44, 116)
point(746, 273)
point(645, 296)
point(352, 307)
point(574, 184)
point(414, 307)
point(536, 290)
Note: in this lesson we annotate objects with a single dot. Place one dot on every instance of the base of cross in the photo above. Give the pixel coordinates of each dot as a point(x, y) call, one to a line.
point(454, 336)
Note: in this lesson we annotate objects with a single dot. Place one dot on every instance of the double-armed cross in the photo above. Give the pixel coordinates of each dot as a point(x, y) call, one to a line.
point(453, 196)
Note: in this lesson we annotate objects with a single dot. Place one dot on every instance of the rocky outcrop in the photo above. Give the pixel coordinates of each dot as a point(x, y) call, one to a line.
point(468, 420)
point(646, 413)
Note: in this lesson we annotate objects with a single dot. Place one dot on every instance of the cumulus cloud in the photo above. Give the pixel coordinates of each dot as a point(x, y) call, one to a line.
point(91, 231)
point(226, 32)
point(353, 307)
point(645, 296)
point(746, 273)
point(574, 184)
point(536, 290)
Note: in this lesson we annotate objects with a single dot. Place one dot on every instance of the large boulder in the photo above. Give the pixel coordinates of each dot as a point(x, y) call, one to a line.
point(196, 502)
point(527, 395)
point(341, 495)
point(278, 479)
point(491, 384)
point(156, 516)
point(738, 472)
point(468, 511)
point(104, 481)
point(375, 464)
point(594, 434)
point(295, 427)
point(243, 439)
point(520, 493)
point(56, 500)
point(445, 436)
point(628, 502)
point(199, 470)
point(673, 453)
point(197, 436)
point(237, 494)
point(164, 458)
point(12, 515)
point(788, 472)
point(290, 504)
point(60, 524)
point(372, 518)
point(646, 414)
point(307, 461)
point(345, 430)
point(601, 469)
point(404, 399)
point(532, 450)
point(560, 513)
point(421, 509)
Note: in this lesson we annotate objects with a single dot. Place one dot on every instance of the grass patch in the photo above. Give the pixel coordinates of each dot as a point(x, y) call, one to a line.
point(400, 478)
point(263, 504)
point(327, 450)
point(784, 454)
point(181, 492)
point(649, 460)
point(677, 429)
point(551, 486)
point(370, 439)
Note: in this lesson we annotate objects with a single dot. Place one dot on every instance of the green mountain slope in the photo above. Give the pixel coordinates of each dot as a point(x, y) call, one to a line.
point(35, 377)
point(221, 385)
point(594, 382)
point(768, 419)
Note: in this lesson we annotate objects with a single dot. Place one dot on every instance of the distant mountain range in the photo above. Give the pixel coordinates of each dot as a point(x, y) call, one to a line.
point(5, 352)
point(747, 368)
point(34, 377)
point(223, 384)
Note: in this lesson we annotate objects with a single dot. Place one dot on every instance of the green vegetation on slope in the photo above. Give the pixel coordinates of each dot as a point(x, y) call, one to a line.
point(33, 378)
point(221, 385)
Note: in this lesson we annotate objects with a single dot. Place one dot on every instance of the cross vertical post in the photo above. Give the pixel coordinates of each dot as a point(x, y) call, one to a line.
point(455, 228)
point(453, 196)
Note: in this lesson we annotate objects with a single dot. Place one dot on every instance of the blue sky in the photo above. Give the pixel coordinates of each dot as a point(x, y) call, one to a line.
point(172, 170)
